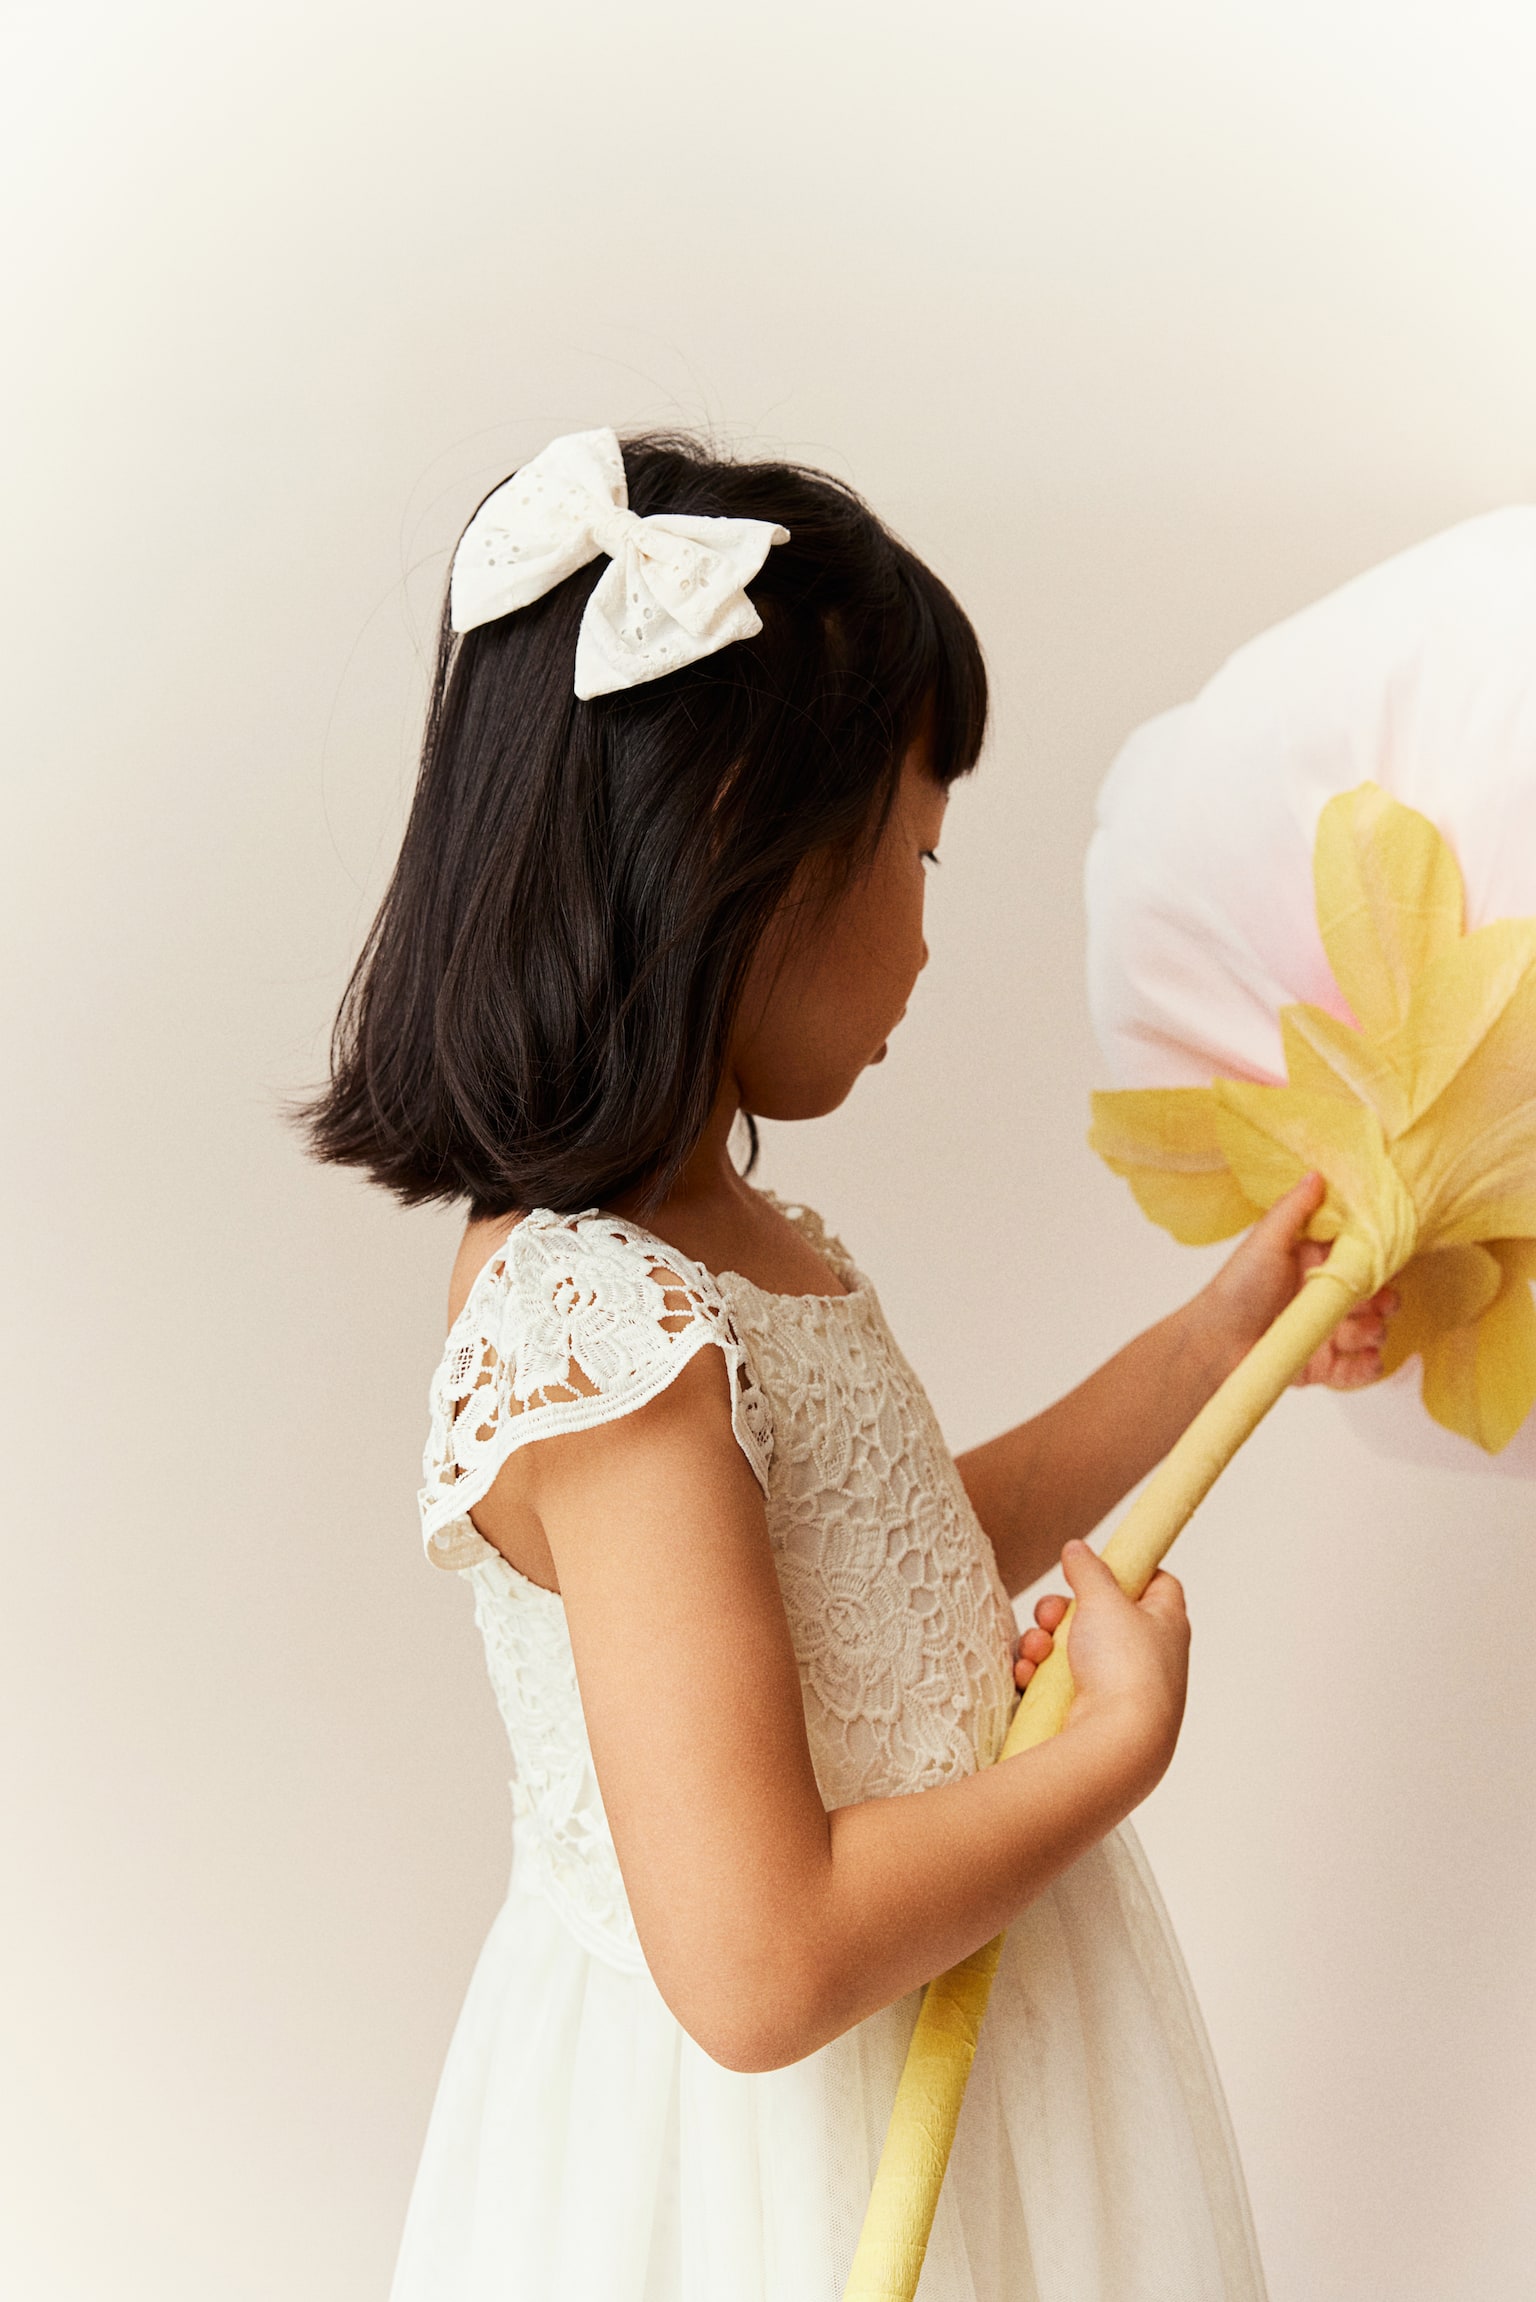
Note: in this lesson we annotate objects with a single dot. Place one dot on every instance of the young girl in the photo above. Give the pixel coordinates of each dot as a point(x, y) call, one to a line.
point(746, 1618)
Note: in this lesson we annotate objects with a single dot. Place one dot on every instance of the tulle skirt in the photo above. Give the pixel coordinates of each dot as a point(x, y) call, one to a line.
point(582, 2148)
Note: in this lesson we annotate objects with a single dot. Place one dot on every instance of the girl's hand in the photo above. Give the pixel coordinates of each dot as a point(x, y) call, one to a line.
point(1260, 1277)
point(1130, 1658)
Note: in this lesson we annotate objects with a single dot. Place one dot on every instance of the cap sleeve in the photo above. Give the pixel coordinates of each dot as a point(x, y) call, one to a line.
point(578, 1320)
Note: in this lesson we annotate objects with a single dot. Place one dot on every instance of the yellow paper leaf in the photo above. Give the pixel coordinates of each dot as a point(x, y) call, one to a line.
point(1326, 1057)
point(1273, 1135)
point(1446, 1287)
point(1197, 1210)
point(1389, 900)
point(1480, 1379)
point(1157, 1127)
point(1163, 1141)
point(1472, 1015)
point(1267, 1133)
point(1470, 1159)
point(1517, 1256)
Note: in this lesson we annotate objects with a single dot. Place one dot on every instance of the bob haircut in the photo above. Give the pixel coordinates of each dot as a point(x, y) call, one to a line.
point(541, 1013)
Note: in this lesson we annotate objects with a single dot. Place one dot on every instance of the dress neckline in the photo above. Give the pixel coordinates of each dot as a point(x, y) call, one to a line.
point(853, 1292)
point(839, 1261)
point(855, 1288)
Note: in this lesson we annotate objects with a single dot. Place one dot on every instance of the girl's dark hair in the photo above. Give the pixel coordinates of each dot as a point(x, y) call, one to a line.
point(541, 1013)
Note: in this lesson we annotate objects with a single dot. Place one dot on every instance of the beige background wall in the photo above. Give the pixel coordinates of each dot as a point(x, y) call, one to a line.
point(1147, 324)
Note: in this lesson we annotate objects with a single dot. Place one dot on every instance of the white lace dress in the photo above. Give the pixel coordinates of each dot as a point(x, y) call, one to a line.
point(582, 2148)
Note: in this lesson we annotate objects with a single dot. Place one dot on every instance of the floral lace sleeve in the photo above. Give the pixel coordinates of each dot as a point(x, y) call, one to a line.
point(578, 1320)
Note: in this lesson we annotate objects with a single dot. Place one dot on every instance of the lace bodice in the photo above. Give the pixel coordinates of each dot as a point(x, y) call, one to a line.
point(900, 1622)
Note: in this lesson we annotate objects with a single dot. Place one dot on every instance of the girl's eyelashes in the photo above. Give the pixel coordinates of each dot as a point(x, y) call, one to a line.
point(928, 855)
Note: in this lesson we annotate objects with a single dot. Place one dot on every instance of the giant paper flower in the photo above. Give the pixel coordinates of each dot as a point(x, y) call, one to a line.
point(1420, 1113)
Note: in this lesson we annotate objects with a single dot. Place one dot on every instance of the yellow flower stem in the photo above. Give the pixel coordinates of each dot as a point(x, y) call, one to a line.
point(889, 2260)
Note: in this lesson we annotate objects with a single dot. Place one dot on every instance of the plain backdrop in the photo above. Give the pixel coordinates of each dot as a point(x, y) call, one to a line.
point(1146, 325)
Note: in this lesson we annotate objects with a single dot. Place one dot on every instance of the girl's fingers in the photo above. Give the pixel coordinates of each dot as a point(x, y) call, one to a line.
point(1035, 1645)
point(1346, 1370)
point(1049, 1611)
point(1351, 1357)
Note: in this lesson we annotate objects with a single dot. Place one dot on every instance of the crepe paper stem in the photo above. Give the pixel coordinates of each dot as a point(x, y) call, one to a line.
point(889, 2259)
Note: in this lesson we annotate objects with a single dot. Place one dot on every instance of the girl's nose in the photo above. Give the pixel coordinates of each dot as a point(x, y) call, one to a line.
point(922, 963)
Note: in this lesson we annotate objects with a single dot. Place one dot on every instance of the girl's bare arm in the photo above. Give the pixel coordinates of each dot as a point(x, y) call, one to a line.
point(769, 1925)
point(1052, 1479)
point(1046, 1481)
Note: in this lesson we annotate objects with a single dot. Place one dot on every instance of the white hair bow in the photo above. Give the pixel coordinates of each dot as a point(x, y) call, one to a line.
point(674, 593)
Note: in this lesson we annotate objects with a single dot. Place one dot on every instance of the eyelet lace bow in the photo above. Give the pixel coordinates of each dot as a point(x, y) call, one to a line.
point(675, 590)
